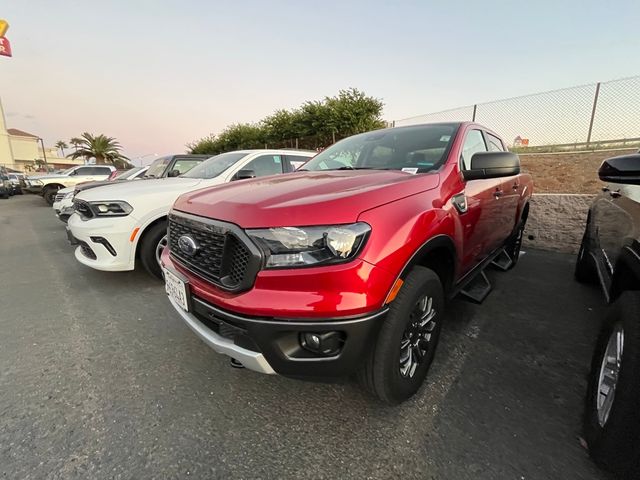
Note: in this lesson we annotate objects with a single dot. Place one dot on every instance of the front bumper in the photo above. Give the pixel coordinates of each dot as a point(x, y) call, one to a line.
point(115, 231)
point(272, 345)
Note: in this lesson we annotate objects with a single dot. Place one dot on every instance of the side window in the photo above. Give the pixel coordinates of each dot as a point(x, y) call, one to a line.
point(265, 165)
point(474, 143)
point(100, 171)
point(183, 165)
point(83, 171)
point(297, 161)
point(494, 143)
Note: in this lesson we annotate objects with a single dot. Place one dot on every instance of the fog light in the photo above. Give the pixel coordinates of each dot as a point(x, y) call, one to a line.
point(326, 343)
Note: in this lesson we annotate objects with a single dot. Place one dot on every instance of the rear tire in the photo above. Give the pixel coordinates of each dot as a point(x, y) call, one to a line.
point(614, 437)
point(149, 245)
point(385, 373)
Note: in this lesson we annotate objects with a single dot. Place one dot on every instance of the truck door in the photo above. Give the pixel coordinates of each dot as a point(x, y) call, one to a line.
point(613, 217)
point(508, 193)
point(482, 217)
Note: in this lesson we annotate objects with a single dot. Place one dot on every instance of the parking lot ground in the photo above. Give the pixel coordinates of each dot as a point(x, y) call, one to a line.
point(100, 379)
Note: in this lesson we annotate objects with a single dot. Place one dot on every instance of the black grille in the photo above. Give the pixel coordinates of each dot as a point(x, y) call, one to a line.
point(83, 208)
point(86, 250)
point(221, 257)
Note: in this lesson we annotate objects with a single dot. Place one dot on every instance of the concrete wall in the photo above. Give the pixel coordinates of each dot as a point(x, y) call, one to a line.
point(556, 222)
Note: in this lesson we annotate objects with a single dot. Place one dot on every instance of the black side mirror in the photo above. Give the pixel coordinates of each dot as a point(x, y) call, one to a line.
point(244, 174)
point(173, 173)
point(492, 165)
point(623, 169)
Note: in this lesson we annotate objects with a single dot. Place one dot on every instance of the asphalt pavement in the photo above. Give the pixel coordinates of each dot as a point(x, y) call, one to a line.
point(100, 379)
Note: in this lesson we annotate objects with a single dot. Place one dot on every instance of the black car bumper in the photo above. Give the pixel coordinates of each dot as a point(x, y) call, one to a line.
point(285, 343)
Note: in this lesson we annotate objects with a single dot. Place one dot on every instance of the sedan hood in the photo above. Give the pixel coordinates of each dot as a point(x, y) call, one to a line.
point(131, 191)
point(304, 198)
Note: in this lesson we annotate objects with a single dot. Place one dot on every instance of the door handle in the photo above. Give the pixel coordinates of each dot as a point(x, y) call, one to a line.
point(515, 186)
point(498, 194)
point(615, 193)
point(605, 189)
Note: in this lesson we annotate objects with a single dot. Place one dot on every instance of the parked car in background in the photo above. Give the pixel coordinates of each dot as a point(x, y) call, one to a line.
point(48, 185)
point(18, 182)
point(63, 204)
point(344, 266)
point(117, 225)
point(174, 165)
point(610, 256)
point(6, 189)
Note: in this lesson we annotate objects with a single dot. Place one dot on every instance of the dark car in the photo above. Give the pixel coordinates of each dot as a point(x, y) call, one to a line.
point(610, 256)
point(18, 182)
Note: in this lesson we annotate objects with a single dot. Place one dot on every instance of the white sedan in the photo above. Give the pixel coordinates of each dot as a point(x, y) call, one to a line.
point(116, 225)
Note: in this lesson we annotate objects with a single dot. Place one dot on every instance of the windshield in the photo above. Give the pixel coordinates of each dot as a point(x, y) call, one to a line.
point(416, 149)
point(67, 171)
point(132, 172)
point(156, 169)
point(214, 166)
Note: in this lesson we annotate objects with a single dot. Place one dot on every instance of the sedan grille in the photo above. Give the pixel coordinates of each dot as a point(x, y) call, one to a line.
point(222, 255)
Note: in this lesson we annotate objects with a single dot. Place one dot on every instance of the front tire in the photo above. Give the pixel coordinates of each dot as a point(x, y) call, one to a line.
point(49, 194)
point(612, 416)
point(406, 343)
point(149, 247)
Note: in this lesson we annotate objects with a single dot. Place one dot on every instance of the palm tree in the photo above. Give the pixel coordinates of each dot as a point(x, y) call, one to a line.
point(61, 144)
point(75, 141)
point(104, 149)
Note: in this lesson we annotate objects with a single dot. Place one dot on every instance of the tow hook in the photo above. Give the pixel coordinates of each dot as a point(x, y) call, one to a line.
point(235, 363)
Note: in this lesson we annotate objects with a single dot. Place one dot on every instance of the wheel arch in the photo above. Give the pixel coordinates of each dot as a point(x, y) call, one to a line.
point(439, 255)
point(145, 229)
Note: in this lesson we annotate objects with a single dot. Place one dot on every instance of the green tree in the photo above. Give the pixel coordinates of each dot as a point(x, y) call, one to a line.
point(76, 142)
point(104, 149)
point(314, 124)
point(61, 145)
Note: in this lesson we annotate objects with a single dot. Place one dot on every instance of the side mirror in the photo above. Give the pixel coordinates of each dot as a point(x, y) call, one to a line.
point(173, 173)
point(623, 169)
point(244, 174)
point(492, 165)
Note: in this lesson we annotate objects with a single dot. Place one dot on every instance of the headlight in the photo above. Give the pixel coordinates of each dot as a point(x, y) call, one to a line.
point(68, 195)
point(111, 209)
point(307, 246)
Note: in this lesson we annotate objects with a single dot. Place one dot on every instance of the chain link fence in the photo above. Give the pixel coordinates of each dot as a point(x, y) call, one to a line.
point(600, 115)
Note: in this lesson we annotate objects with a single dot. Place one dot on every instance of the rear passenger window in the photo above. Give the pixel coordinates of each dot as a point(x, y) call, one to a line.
point(297, 161)
point(473, 143)
point(84, 171)
point(265, 165)
point(494, 143)
point(185, 164)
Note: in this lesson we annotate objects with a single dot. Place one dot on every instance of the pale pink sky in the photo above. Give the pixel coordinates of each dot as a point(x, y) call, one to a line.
point(157, 75)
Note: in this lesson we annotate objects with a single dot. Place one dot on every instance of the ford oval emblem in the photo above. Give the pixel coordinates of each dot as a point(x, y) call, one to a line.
point(187, 245)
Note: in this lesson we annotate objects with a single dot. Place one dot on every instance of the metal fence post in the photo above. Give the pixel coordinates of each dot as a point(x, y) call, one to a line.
point(593, 113)
point(475, 109)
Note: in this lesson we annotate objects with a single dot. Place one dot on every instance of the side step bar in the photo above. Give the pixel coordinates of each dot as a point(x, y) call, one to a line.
point(477, 289)
point(503, 261)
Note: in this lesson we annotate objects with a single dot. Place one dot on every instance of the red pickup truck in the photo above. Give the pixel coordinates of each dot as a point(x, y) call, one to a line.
point(345, 266)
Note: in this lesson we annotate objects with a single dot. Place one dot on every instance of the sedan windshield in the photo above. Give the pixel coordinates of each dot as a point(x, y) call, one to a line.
point(156, 169)
point(132, 172)
point(214, 166)
point(418, 149)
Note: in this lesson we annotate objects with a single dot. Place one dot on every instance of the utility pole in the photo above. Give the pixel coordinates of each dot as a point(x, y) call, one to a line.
point(44, 154)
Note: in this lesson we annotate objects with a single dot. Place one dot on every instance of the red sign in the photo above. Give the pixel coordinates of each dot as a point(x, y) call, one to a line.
point(5, 47)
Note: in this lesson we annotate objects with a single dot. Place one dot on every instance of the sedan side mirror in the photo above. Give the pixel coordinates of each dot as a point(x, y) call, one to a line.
point(623, 169)
point(173, 173)
point(244, 174)
point(492, 165)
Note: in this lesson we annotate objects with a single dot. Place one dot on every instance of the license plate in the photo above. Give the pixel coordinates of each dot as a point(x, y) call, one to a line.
point(176, 289)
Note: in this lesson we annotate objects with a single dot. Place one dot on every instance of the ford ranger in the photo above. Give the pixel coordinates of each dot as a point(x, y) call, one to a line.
point(344, 266)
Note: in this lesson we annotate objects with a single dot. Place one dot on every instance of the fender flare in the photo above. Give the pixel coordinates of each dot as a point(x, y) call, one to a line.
point(438, 241)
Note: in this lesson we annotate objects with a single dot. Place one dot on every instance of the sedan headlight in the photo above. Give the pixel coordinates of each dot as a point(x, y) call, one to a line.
point(111, 209)
point(69, 195)
point(308, 246)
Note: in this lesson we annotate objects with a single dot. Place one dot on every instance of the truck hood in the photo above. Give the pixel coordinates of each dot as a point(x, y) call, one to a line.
point(304, 198)
point(168, 188)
